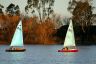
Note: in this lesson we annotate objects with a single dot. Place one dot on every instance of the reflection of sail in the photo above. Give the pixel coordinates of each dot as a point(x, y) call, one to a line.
point(70, 58)
point(69, 39)
point(17, 56)
point(18, 36)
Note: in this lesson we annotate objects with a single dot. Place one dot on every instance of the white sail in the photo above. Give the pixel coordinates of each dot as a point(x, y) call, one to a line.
point(69, 39)
point(18, 36)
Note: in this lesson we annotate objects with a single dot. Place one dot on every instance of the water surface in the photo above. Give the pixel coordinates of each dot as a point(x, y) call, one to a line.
point(40, 54)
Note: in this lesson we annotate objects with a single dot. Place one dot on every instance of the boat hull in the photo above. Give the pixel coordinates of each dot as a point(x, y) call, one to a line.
point(16, 50)
point(73, 50)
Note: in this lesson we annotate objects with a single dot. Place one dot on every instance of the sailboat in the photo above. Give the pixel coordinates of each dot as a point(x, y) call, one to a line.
point(69, 43)
point(17, 40)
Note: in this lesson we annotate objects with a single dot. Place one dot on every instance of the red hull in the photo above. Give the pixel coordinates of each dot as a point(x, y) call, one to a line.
point(74, 50)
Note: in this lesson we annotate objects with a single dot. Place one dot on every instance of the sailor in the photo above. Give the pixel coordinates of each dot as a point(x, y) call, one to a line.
point(11, 47)
point(65, 48)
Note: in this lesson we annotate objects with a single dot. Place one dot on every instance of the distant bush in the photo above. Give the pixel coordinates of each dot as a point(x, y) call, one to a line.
point(33, 31)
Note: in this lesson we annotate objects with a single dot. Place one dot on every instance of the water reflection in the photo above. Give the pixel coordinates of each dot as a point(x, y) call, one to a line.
point(48, 55)
point(69, 57)
point(17, 57)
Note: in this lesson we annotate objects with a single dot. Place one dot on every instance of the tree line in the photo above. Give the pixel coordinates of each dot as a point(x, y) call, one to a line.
point(43, 15)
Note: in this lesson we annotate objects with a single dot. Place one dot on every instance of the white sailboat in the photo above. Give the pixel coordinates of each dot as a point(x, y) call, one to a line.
point(69, 43)
point(17, 41)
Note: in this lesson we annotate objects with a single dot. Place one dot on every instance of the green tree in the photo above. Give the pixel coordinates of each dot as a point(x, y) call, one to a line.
point(17, 10)
point(13, 10)
point(82, 17)
point(43, 7)
point(1, 12)
point(82, 13)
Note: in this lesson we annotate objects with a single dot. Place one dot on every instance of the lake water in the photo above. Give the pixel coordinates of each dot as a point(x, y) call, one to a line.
point(47, 54)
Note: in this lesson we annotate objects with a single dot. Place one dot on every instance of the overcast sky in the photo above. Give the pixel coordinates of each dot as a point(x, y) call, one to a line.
point(60, 6)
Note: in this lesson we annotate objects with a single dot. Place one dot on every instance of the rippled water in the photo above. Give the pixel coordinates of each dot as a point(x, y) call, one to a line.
point(39, 54)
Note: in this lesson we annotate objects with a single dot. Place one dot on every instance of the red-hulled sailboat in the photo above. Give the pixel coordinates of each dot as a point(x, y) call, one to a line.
point(69, 43)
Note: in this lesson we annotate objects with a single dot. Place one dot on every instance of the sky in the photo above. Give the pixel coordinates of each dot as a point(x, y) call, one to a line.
point(60, 6)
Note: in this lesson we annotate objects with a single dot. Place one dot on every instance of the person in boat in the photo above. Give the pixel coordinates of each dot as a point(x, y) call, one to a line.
point(65, 48)
point(12, 48)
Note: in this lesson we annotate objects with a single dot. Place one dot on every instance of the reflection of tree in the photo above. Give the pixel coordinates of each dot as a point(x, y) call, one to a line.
point(13, 10)
point(43, 7)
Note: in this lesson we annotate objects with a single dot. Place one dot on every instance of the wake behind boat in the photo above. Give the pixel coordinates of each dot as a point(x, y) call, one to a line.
point(69, 44)
point(17, 40)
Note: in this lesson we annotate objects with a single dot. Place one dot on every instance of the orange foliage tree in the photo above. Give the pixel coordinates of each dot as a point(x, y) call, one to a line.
point(44, 32)
point(36, 33)
point(8, 25)
point(33, 31)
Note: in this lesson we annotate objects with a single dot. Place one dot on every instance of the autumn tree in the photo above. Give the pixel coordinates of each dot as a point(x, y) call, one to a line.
point(13, 10)
point(1, 6)
point(82, 17)
point(82, 13)
point(42, 8)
